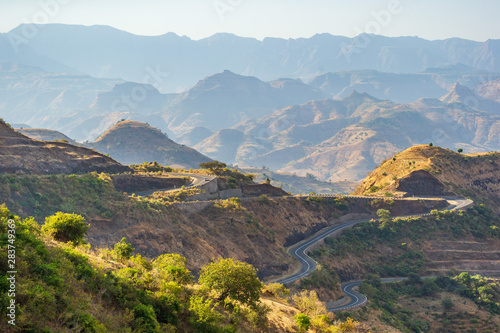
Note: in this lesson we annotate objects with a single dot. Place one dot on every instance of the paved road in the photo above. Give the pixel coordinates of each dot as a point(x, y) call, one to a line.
point(355, 298)
point(309, 265)
point(197, 180)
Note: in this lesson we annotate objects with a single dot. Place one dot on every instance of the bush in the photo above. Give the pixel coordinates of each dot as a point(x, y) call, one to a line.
point(172, 267)
point(123, 250)
point(145, 319)
point(263, 199)
point(277, 290)
point(204, 316)
point(447, 304)
point(303, 322)
point(66, 227)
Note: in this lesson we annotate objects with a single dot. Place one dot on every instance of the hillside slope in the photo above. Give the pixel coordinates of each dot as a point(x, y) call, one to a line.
point(132, 142)
point(426, 170)
point(20, 154)
point(344, 139)
point(45, 135)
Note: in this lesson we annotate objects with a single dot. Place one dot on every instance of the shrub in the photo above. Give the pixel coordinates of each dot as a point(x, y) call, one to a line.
point(204, 315)
point(263, 199)
point(145, 319)
point(123, 250)
point(303, 322)
point(277, 290)
point(308, 303)
point(66, 227)
point(447, 304)
point(172, 267)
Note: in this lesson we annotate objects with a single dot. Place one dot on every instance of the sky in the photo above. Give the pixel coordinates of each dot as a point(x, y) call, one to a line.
point(197, 19)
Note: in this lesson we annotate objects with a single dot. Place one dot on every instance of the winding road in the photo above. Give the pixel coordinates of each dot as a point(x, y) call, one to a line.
point(309, 265)
point(197, 180)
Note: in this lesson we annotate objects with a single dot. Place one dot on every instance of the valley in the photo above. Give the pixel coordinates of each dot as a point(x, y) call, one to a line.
point(221, 184)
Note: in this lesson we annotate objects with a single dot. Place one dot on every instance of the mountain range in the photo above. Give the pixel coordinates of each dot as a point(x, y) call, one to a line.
point(173, 63)
point(301, 106)
point(336, 140)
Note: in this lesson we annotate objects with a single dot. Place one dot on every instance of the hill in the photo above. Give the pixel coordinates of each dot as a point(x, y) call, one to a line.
point(225, 99)
point(22, 155)
point(103, 290)
point(45, 135)
point(132, 142)
point(426, 170)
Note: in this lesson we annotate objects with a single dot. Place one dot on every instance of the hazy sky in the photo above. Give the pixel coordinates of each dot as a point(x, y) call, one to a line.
point(430, 19)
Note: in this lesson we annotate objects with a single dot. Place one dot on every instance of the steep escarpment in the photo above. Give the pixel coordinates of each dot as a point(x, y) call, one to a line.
point(428, 170)
point(22, 155)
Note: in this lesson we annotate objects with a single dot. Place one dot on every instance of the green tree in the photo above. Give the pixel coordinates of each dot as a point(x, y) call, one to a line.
point(214, 166)
point(123, 249)
point(303, 322)
point(232, 279)
point(431, 144)
point(172, 267)
point(384, 217)
point(145, 319)
point(460, 150)
point(66, 227)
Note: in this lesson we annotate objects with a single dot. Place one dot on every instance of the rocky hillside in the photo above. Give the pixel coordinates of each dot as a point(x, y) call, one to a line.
point(225, 99)
point(336, 140)
point(428, 170)
point(256, 231)
point(20, 154)
point(132, 142)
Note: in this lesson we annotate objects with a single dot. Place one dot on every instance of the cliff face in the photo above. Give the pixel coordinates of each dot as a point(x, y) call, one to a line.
point(426, 170)
point(420, 183)
point(20, 154)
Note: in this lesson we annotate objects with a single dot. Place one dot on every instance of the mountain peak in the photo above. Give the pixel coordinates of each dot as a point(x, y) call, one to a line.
point(125, 127)
point(458, 94)
point(133, 142)
point(356, 96)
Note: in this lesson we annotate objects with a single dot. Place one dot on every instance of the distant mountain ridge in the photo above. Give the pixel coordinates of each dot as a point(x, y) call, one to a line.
point(343, 139)
point(103, 51)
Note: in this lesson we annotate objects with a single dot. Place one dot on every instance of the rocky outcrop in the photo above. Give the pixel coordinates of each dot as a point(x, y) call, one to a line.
point(138, 183)
point(255, 190)
point(420, 183)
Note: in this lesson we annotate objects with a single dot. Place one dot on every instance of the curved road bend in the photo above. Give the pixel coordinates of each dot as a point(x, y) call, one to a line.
point(197, 180)
point(355, 298)
point(309, 265)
